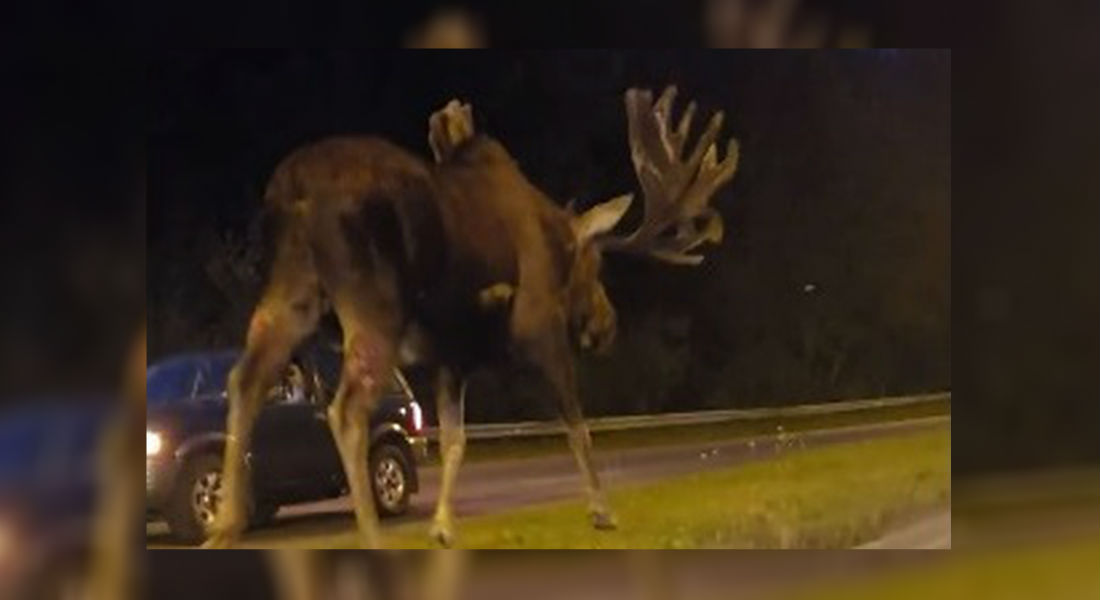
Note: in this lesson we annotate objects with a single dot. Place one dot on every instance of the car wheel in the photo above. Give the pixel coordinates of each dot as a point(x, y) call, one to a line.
point(195, 498)
point(390, 476)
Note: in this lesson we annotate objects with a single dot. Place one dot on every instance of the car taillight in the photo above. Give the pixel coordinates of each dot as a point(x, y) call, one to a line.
point(417, 416)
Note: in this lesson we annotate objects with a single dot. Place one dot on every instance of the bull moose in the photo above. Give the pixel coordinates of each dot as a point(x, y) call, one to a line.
point(463, 262)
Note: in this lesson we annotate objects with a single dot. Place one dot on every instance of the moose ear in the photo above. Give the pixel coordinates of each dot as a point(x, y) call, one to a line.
point(601, 218)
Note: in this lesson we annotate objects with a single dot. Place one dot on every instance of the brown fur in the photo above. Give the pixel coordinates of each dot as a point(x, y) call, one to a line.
point(392, 242)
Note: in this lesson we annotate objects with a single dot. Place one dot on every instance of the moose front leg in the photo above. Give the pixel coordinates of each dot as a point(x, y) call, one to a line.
point(550, 353)
point(452, 444)
point(581, 443)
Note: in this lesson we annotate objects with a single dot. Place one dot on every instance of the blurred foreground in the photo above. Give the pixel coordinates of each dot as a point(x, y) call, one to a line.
point(1016, 536)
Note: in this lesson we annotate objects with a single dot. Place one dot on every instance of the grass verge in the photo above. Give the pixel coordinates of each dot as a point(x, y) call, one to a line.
point(528, 447)
point(830, 497)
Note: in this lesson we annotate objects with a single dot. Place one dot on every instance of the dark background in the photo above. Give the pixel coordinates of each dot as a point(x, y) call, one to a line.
point(509, 23)
point(833, 281)
point(72, 221)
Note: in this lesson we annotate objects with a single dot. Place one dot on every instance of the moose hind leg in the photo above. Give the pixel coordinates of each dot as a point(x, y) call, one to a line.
point(287, 313)
point(356, 260)
point(368, 364)
point(297, 573)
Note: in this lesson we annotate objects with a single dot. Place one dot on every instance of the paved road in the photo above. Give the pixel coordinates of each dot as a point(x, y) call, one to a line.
point(497, 486)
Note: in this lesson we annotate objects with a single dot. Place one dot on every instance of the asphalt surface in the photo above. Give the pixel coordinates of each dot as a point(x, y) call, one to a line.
point(489, 487)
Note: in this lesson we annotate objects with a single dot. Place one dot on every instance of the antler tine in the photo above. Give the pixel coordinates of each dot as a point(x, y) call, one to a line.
point(706, 141)
point(677, 190)
point(673, 139)
point(662, 113)
point(712, 174)
point(684, 127)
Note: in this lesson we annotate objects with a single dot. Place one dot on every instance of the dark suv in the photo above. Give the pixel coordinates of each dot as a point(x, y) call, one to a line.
point(293, 457)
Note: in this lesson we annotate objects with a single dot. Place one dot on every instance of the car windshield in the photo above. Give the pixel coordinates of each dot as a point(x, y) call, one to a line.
point(197, 377)
point(205, 376)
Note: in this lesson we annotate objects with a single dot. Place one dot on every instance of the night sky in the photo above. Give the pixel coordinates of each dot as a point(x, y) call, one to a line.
point(833, 280)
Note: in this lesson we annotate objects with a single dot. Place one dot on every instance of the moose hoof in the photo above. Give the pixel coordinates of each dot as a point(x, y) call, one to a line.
point(218, 541)
point(603, 520)
point(370, 543)
point(442, 533)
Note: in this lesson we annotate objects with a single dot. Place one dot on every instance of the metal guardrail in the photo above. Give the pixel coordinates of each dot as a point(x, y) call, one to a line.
point(537, 428)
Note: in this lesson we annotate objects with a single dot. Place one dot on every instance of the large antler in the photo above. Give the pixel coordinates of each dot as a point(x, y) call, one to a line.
point(677, 189)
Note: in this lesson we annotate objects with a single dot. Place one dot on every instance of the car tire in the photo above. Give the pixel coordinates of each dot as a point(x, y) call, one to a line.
point(181, 514)
point(390, 478)
point(183, 519)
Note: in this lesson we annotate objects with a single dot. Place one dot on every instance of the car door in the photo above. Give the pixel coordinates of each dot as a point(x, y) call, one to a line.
point(292, 448)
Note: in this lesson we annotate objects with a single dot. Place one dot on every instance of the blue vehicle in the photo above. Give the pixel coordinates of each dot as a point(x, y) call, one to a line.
point(48, 488)
point(293, 457)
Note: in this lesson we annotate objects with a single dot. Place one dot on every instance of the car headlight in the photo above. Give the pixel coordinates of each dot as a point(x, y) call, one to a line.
point(153, 443)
